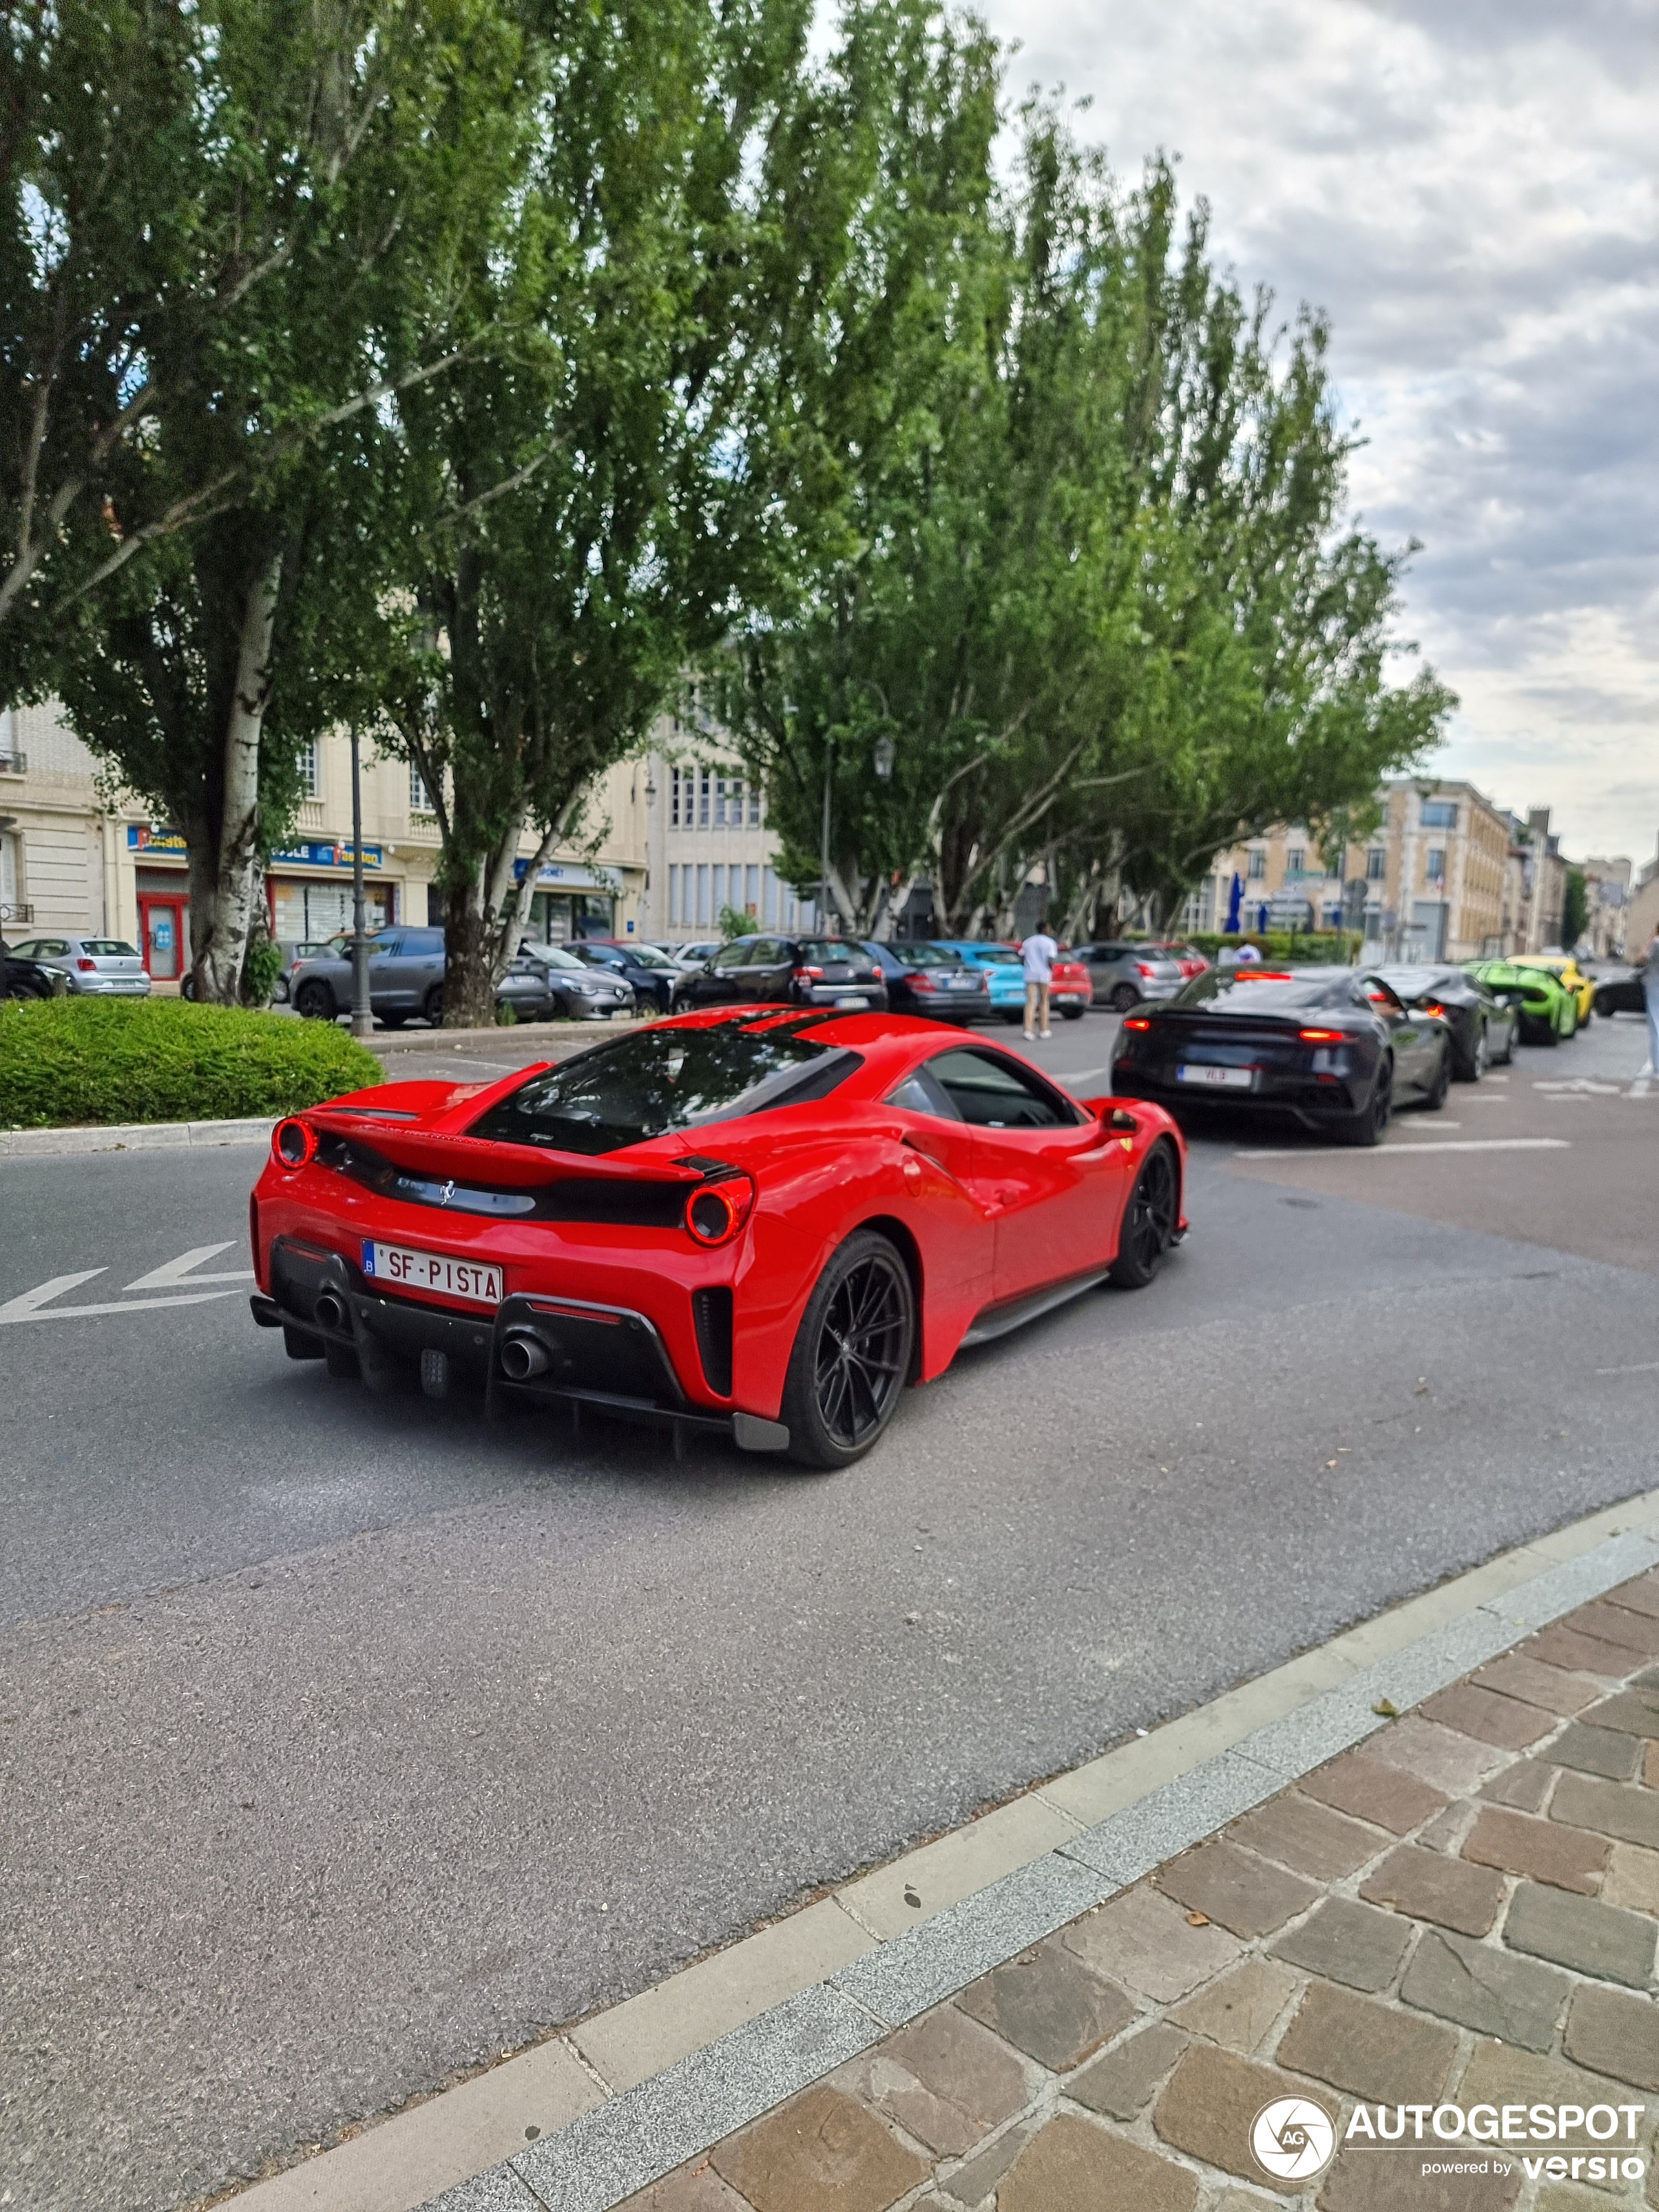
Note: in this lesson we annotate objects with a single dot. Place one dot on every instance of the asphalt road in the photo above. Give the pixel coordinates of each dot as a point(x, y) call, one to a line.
point(344, 1744)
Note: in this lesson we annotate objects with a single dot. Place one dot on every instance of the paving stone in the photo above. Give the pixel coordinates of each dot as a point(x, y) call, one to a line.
point(1073, 2165)
point(1236, 1888)
point(1387, 2057)
point(1618, 1624)
point(1447, 1830)
point(1527, 1784)
point(1612, 2033)
point(1488, 1714)
point(1567, 1648)
point(1636, 1711)
point(975, 2181)
point(694, 2189)
point(1543, 1851)
point(1567, 2196)
point(1307, 1836)
point(1122, 2080)
point(1485, 1990)
point(820, 2152)
point(1211, 2104)
point(1440, 1756)
point(1583, 1933)
point(1385, 2178)
point(1050, 2003)
point(1241, 2008)
point(945, 2079)
point(1596, 1751)
point(1143, 1940)
point(1348, 1942)
point(1552, 1689)
point(1641, 1596)
point(1498, 2076)
point(1610, 1808)
point(1430, 1887)
point(1632, 1879)
point(1383, 1795)
point(1650, 1769)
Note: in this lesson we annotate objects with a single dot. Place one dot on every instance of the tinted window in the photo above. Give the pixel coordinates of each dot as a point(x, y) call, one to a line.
point(828, 951)
point(994, 1093)
point(421, 940)
point(997, 955)
point(1269, 989)
point(769, 952)
point(110, 948)
point(647, 956)
point(659, 1080)
point(732, 955)
point(553, 956)
point(927, 956)
point(599, 955)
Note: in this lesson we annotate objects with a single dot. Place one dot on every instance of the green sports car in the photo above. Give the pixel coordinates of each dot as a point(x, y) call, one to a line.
point(1549, 1011)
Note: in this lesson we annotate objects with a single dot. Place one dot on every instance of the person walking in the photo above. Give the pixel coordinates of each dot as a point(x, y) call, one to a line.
point(1651, 992)
point(1037, 955)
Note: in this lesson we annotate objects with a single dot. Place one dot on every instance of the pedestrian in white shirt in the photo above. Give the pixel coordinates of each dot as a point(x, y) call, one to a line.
point(1651, 992)
point(1037, 955)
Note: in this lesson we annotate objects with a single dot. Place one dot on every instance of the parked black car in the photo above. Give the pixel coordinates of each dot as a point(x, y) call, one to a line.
point(806, 971)
point(931, 981)
point(28, 979)
point(1622, 994)
point(1483, 1023)
point(1335, 1047)
point(650, 975)
point(406, 981)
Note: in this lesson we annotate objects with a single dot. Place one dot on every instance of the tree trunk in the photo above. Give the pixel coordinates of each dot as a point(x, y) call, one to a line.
point(469, 984)
point(225, 874)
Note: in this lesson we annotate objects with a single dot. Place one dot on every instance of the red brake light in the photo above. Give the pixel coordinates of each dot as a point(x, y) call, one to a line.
point(806, 974)
point(1322, 1037)
point(293, 1144)
point(1248, 975)
point(1137, 1022)
point(715, 1211)
point(1439, 1012)
point(1141, 968)
point(923, 983)
point(86, 967)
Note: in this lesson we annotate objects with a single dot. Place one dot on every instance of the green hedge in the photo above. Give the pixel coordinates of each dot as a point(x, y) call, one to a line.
point(1308, 946)
point(68, 1060)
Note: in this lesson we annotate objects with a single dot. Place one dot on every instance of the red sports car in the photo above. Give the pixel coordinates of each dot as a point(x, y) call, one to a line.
point(758, 1220)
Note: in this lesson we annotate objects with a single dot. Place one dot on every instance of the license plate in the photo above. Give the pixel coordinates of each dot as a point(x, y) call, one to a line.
point(396, 1265)
point(1222, 1078)
point(851, 1000)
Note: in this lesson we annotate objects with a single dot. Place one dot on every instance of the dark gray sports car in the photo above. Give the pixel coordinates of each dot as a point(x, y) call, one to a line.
point(1484, 1025)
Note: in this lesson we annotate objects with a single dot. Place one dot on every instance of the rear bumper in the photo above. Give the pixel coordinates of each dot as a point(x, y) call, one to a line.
point(1313, 1102)
point(110, 987)
point(611, 1358)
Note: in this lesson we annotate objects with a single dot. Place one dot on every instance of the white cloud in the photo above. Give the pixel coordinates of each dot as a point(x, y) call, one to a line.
point(1466, 186)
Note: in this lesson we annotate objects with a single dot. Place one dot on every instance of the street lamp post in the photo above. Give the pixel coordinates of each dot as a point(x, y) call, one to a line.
point(363, 1017)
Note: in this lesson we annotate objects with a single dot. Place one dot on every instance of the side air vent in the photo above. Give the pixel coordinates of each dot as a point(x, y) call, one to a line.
point(712, 1311)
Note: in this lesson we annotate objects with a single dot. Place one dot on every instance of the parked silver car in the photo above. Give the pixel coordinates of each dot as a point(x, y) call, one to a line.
point(1124, 975)
point(101, 967)
point(406, 981)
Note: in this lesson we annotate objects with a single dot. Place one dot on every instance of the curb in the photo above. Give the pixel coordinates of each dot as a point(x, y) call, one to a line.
point(132, 1136)
point(754, 2027)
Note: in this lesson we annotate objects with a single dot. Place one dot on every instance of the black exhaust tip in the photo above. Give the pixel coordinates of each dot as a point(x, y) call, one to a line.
point(523, 1357)
point(331, 1312)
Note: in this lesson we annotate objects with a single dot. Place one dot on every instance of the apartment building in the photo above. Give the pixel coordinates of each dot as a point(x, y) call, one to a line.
point(75, 856)
point(708, 846)
point(1608, 885)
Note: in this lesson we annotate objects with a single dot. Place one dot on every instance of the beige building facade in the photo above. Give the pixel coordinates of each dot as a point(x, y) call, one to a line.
point(76, 856)
point(709, 845)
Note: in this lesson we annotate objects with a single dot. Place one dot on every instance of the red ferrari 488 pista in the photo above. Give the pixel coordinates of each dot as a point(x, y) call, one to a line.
point(757, 1220)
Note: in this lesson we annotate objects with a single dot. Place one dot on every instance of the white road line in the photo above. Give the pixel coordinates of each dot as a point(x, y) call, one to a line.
point(1642, 1367)
point(180, 1273)
point(118, 1305)
point(22, 1307)
point(1410, 1151)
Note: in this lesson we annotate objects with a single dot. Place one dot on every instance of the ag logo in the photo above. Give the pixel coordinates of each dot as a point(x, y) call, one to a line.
point(1292, 2139)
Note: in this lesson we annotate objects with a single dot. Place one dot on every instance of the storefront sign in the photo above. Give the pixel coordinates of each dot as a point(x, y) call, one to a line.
point(142, 838)
point(320, 855)
point(573, 879)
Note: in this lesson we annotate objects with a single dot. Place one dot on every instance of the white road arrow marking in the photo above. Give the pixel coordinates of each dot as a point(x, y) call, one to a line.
point(36, 1304)
point(182, 1271)
point(22, 1307)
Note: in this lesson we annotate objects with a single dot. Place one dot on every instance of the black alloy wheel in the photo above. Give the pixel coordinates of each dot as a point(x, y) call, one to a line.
point(1149, 1222)
point(314, 1002)
point(852, 1354)
point(432, 1005)
point(1366, 1127)
point(1435, 1097)
point(1124, 996)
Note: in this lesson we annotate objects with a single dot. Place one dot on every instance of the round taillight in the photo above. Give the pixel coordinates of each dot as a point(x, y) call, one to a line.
point(716, 1210)
point(293, 1144)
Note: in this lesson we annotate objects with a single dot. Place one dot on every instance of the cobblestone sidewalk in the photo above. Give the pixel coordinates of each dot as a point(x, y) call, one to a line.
point(1463, 1912)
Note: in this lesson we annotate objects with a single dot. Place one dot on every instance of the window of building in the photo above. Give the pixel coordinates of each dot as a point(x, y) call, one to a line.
point(1376, 864)
point(754, 807)
point(310, 771)
point(1440, 814)
point(420, 801)
point(1437, 864)
point(1258, 867)
point(705, 789)
point(1296, 861)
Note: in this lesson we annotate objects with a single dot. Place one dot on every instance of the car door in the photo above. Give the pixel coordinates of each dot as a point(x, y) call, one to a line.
point(1054, 1180)
point(766, 980)
point(721, 983)
point(1414, 1038)
point(959, 1228)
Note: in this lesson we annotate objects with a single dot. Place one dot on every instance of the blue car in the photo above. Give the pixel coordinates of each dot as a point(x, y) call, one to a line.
point(1005, 972)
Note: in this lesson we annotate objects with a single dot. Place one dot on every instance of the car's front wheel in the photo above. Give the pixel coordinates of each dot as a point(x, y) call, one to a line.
point(1149, 1222)
point(852, 1354)
point(314, 1002)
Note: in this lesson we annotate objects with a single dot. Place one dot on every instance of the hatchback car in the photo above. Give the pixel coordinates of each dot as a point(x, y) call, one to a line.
point(1005, 972)
point(802, 971)
point(1124, 975)
point(650, 975)
point(28, 979)
point(97, 967)
point(926, 980)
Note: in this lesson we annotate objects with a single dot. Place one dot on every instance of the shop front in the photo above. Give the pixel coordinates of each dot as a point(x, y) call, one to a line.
point(308, 891)
point(572, 902)
point(161, 880)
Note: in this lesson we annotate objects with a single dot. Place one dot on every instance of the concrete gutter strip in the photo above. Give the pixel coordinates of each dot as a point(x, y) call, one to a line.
point(621, 2099)
point(132, 1136)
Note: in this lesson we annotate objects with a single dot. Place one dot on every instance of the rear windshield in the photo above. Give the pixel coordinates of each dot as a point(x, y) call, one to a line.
point(996, 956)
point(110, 948)
point(924, 956)
point(830, 952)
point(1246, 987)
point(643, 1086)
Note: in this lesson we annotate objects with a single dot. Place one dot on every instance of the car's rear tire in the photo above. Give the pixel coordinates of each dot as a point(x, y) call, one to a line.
point(1011, 1015)
point(852, 1354)
point(1366, 1127)
point(314, 1002)
point(432, 1005)
point(1125, 996)
point(1071, 1014)
point(1149, 1221)
point(1435, 1096)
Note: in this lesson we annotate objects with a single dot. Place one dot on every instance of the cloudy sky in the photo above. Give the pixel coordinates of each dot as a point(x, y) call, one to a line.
point(1467, 186)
